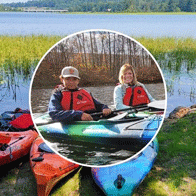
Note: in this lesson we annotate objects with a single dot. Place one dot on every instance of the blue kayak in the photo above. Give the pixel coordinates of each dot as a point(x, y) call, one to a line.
point(120, 132)
point(124, 178)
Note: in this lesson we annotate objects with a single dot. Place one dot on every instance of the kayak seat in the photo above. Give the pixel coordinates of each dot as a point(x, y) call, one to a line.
point(38, 159)
point(44, 148)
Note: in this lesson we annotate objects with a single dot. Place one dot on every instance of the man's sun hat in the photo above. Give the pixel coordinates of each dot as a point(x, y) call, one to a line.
point(70, 72)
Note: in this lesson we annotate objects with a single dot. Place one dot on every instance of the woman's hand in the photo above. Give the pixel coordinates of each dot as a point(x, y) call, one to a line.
point(86, 117)
point(107, 112)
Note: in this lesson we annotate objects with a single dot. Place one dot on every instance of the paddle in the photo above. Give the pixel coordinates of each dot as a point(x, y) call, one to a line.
point(156, 104)
point(47, 122)
point(159, 105)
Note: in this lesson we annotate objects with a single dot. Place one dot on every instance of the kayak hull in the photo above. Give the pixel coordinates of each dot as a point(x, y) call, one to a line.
point(118, 133)
point(50, 169)
point(124, 178)
point(15, 145)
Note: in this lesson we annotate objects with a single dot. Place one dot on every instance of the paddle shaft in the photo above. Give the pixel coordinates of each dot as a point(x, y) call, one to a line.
point(134, 110)
point(93, 115)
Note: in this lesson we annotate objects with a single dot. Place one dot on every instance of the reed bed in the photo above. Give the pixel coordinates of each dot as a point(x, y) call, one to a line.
point(173, 45)
point(172, 52)
point(24, 50)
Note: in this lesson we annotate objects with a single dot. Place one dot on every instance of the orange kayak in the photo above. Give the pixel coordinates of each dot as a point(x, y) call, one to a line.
point(14, 145)
point(48, 167)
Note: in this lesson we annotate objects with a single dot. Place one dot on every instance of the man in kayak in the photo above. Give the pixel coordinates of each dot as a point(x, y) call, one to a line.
point(130, 92)
point(69, 103)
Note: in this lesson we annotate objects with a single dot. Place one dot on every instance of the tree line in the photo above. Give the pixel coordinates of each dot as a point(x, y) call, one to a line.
point(110, 5)
point(98, 55)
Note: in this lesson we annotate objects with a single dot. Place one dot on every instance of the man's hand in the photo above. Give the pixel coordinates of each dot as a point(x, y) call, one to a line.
point(86, 117)
point(107, 112)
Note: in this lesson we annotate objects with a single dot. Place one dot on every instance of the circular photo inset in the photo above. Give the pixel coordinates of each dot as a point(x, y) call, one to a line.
point(98, 97)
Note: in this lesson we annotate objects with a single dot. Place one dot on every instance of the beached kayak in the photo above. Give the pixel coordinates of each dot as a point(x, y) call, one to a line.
point(14, 145)
point(124, 131)
point(124, 178)
point(48, 167)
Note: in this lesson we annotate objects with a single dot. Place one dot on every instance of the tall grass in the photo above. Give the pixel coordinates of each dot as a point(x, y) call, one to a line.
point(18, 58)
point(172, 52)
point(28, 50)
point(25, 51)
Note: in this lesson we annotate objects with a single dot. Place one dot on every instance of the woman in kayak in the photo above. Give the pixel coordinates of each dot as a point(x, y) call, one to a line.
point(69, 103)
point(130, 92)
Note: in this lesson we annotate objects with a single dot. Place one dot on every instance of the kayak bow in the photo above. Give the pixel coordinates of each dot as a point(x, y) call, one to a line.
point(48, 167)
point(124, 178)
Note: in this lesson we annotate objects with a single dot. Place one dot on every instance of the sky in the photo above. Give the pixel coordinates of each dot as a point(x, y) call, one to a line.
point(12, 1)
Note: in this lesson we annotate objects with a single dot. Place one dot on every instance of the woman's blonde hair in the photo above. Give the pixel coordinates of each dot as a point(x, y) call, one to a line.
point(125, 68)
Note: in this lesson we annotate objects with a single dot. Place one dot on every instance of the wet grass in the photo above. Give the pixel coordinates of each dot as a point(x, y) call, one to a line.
point(19, 55)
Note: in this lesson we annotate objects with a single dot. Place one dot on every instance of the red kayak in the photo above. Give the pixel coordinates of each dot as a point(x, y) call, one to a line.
point(14, 145)
point(48, 167)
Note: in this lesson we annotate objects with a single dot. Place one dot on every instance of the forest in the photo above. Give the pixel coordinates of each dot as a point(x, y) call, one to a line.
point(129, 6)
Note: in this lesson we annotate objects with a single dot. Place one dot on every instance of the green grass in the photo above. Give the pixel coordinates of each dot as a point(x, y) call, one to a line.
point(171, 52)
point(77, 184)
point(24, 50)
point(174, 171)
point(161, 45)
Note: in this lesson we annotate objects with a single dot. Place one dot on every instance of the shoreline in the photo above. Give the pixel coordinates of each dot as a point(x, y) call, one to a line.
point(112, 13)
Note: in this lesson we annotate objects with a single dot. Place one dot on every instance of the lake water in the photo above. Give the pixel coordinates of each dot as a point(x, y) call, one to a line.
point(12, 23)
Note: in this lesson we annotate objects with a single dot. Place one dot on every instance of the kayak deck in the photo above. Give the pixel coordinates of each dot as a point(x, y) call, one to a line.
point(124, 178)
point(48, 167)
point(14, 145)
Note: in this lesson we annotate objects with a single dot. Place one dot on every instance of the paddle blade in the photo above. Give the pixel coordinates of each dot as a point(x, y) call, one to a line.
point(157, 104)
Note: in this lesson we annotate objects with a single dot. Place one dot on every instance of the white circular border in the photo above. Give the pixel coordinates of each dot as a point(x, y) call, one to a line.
point(101, 30)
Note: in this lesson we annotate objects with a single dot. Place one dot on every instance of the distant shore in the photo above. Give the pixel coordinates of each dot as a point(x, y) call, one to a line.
point(119, 13)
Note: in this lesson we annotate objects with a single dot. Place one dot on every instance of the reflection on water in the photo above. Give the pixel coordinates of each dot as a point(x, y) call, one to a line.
point(180, 77)
point(14, 87)
point(94, 154)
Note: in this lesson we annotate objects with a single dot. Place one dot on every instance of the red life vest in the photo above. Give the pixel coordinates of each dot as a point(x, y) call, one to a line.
point(135, 96)
point(22, 122)
point(77, 100)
